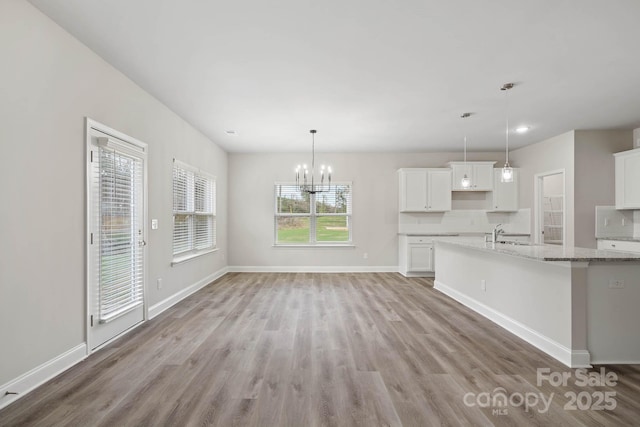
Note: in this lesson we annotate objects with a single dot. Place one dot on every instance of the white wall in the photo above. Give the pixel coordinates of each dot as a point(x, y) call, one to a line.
point(587, 159)
point(595, 178)
point(552, 154)
point(49, 82)
point(553, 185)
point(375, 206)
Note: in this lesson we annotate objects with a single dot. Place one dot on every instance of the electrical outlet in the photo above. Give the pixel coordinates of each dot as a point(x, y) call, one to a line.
point(483, 285)
point(154, 224)
point(159, 281)
point(616, 284)
point(365, 255)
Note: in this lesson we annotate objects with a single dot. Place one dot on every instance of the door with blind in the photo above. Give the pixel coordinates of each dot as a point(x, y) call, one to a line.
point(116, 247)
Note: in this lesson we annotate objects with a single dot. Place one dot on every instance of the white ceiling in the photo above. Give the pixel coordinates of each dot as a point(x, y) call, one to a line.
point(372, 75)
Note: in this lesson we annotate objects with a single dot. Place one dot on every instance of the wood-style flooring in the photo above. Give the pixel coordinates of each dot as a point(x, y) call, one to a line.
point(286, 349)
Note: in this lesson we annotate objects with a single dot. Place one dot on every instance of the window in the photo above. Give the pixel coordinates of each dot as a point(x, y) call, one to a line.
point(312, 219)
point(194, 211)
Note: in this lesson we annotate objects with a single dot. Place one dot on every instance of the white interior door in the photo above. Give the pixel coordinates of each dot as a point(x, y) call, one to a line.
point(116, 270)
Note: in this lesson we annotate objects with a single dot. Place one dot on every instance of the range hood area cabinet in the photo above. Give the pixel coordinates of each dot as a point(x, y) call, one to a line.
point(628, 179)
point(480, 173)
point(505, 194)
point(425, 189)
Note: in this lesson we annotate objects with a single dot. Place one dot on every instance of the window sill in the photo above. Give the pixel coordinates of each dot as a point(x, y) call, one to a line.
point(184, 258)
point(322, 245)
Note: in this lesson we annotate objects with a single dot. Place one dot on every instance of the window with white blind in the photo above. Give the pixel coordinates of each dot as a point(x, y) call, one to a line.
point(313, 219)
point(194, 211)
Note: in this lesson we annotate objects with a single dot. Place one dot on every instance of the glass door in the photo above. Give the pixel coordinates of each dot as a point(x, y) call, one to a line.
point(117, 241)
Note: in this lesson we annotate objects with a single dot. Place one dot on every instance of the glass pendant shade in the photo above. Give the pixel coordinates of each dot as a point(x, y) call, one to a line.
point(507, 173)
point(465, 182)
point(507, 170)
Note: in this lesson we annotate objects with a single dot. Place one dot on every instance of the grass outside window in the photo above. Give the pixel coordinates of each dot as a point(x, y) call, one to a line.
point(308, 219)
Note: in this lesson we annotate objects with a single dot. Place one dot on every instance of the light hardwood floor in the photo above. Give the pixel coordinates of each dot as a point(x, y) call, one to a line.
point(316, 349)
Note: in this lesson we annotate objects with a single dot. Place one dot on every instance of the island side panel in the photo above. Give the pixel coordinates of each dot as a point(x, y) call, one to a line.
point(529, 298)
point(613, 312)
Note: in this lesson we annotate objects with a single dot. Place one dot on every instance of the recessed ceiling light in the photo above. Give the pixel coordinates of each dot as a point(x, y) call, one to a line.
point(231, 132)
point(522, 129)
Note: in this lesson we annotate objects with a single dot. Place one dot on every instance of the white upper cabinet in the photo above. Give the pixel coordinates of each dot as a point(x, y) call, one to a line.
point(480, 174)
point(628, 179)
point(439, 190)
point(505, 194)
point(425, 189)
point(413, 190)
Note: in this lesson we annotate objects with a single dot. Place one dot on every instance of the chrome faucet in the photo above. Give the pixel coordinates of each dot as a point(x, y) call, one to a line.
point(495, 233)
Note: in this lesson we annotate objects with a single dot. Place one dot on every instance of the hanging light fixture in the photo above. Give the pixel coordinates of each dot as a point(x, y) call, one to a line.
point(305, 179)
point(465, 182)
point(507, 170)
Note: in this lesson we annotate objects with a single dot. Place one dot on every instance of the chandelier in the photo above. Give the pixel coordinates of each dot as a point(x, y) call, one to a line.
point(305, 178)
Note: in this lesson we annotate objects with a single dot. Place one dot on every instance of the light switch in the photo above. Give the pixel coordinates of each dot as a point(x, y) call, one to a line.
point(154, 224)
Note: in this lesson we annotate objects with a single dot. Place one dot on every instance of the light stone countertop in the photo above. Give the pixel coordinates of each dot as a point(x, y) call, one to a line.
point(430, 234)
point(462, 234)
point(545, 252)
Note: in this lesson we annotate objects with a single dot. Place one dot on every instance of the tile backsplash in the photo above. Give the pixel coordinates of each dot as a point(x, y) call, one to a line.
point(465, 221)
point(616, 223)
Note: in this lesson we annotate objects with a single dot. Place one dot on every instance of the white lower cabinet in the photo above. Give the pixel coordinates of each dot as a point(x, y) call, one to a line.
point(416, 256)
point(619, 245)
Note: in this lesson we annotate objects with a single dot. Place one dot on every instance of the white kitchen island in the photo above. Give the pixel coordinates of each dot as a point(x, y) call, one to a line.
point(581, 306)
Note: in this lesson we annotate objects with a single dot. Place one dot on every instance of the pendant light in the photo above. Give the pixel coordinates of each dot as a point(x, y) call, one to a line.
point(465, 182)
point(507, 170)
point(306, 183)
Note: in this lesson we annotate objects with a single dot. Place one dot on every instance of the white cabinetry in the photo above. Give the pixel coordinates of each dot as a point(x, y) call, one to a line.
point(416, 256)
point(619, 245)
point(505, 194)
point(628, 179)
point(425, 189)
point(480, 174)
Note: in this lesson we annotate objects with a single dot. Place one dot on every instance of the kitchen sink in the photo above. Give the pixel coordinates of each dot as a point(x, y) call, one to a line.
point(514, 243)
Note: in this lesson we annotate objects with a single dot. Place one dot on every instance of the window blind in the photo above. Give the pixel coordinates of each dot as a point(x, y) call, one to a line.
point(194, 225)
point(121, 266)
point(304, 218)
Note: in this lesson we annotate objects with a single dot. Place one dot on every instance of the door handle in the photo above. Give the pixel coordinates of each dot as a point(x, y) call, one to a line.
point(142, 243)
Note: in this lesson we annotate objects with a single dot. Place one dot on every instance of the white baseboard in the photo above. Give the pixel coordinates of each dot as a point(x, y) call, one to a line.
point(312, 269)
point(158, 308)
point(41, 374)
point(573, 359)
point(615, 362)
